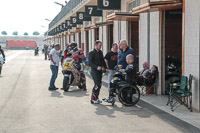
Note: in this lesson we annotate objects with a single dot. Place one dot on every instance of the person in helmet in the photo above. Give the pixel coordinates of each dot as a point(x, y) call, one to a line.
point(77, 54)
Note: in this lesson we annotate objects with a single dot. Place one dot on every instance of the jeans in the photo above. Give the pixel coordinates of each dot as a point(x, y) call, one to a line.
point(110, 77)
point(54, 70)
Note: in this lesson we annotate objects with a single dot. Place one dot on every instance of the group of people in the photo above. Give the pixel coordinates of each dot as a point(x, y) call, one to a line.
point(70, 51)
point(121, 56)
point(124, 59)
point(46, 50)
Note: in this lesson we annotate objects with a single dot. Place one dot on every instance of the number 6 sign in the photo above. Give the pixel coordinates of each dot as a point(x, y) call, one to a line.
point(109, 4)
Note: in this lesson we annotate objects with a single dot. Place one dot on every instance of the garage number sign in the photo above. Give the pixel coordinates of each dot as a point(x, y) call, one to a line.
point(109, 4)
point(81, 17)
point(92, 11)
point(68, 25)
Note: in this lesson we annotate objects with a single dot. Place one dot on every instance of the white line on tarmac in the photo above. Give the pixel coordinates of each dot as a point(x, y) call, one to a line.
point(9, 58)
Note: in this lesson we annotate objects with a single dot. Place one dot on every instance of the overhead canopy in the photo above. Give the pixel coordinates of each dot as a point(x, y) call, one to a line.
point(103, 23)
point(158, 6)
point(97, 25)
point(123, 16)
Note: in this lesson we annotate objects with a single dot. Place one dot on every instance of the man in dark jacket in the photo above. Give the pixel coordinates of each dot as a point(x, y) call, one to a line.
point(130, 77)
point(130, 69)
point(124, 51)
point(96, 62)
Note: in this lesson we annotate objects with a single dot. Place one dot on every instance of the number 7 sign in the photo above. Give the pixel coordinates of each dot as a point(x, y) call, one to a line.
point(92, 11)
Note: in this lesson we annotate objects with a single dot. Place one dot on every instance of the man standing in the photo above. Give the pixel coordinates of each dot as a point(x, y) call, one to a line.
point(54, 63)
point(111, 62)
point(96, 62)
point(45, 51)
point(124, 51)
point(49, 49)
point(2, 52)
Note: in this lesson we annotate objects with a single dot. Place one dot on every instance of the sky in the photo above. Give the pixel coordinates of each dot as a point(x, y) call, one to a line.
point(27, 15)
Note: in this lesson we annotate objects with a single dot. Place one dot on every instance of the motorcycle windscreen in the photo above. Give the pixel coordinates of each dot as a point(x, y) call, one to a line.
point(67, 65)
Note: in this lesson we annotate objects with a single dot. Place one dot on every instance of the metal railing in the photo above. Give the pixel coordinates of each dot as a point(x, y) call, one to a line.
point(72, 4)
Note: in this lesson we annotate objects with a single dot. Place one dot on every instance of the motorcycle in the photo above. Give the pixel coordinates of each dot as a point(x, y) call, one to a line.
point(128, 95)
point(172, 71)
point(1, 63)
point(72, 76)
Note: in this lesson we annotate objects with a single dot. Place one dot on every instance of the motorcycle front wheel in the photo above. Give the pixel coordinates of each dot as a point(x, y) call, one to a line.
point(129, 95)
point(66, 84)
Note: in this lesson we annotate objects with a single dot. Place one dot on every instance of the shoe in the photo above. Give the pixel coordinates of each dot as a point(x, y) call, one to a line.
point(99, 101)
point(56, 88)
point(95, 101)
point(106, 99)
point(109, 100)
point(53, 89)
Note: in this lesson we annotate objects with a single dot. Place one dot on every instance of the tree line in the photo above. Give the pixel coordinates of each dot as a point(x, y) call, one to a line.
point(16, 33)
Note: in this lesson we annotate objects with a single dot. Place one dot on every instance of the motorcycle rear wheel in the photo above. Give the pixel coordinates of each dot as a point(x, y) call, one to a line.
point(129, 95)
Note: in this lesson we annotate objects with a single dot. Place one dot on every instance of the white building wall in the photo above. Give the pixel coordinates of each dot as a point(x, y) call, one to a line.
point(65, 39)
point(191, 46)
point(90, 40)
point(155, 44)
point(154, 38)
point(83, 41)
point(77, 38)
point(105, 40)
point(93, 38)
point(124, 24)
point(143, 36)
point(71, 38)
point(101, 37)
point(116, 32)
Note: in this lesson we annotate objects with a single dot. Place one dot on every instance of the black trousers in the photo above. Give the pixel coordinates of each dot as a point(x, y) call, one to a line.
point(45, 55)
point(97, 78)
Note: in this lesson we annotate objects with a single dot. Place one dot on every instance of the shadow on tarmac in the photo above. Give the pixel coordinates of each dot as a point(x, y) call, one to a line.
point(75, 92)
point(109, 110)
point(56, 94)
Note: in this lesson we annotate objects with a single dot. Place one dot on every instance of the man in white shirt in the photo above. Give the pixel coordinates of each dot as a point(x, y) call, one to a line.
point(54, 64)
